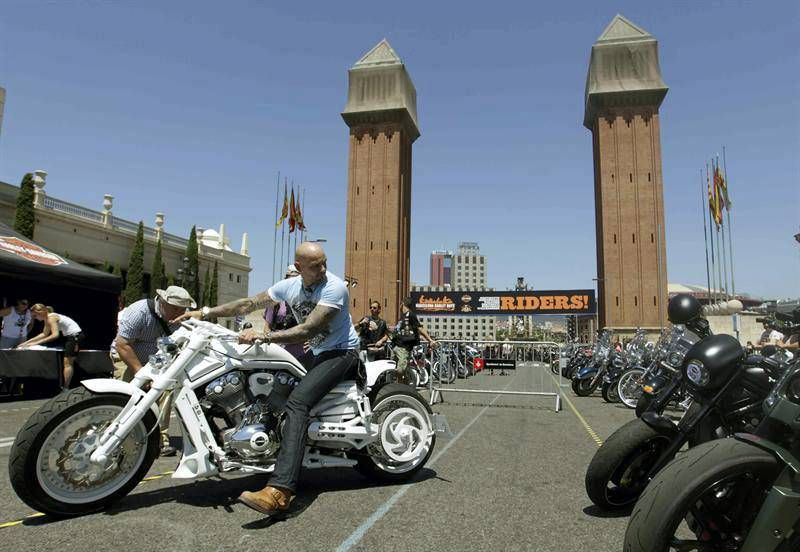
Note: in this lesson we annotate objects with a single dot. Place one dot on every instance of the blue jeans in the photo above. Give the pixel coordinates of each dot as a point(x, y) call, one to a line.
point(330, 368)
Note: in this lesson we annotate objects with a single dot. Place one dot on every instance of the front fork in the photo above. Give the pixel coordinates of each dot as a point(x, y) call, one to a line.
point(137, 407)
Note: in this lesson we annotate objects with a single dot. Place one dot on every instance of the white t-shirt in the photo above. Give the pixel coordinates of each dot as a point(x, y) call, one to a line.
point(330, 292)
point(15, 325)
point(67, 326)
point(768, 336)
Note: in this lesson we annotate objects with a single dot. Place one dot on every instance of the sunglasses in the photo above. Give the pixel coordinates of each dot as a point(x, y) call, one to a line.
point(375, 308)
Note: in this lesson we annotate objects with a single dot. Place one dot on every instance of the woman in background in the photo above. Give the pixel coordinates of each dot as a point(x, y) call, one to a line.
point(59, 329)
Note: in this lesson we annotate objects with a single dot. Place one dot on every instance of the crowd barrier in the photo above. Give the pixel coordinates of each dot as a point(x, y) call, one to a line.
point(454, 361)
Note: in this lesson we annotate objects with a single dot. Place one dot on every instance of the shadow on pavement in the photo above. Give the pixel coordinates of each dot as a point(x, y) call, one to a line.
point(594, 511)
point(222, 494)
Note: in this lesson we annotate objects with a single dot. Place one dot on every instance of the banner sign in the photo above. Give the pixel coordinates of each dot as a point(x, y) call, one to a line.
point(500, 364)
point(450, 303)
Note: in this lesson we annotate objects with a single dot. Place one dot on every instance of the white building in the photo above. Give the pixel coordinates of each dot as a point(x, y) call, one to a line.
point(99, 238)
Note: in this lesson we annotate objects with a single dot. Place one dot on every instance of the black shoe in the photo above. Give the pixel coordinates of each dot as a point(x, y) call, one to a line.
point(168, 450)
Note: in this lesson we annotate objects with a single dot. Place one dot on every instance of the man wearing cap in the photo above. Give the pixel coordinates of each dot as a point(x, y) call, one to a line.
point(140, 324)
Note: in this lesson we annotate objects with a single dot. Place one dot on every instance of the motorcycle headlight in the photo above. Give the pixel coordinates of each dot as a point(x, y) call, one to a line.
point(697, 373)
point(158, 360)
point(675, 358)
point(166, 345)
point(793, 389)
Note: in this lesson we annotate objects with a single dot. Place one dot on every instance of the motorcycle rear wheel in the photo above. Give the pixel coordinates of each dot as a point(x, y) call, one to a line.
point(409, 433)
point(724, 479)
point(49, 463)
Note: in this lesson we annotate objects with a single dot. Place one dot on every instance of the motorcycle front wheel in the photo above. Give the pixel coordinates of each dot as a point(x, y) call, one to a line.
point(705, 499)
point(583, 387)
point(617, 474)
point(629, 388)
point(609, 392)
point(407, 436)
point(49, 463)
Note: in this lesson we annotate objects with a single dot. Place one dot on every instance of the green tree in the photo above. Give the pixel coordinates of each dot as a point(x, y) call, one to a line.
point(191, 282)
point(206, 287)
point(214, 291)
point(157, 276)
point(134, 288)
point(170, 280)
point(25, 218)
point(117, 271)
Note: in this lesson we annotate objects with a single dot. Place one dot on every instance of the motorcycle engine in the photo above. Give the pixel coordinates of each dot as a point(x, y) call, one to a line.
point(254, 408)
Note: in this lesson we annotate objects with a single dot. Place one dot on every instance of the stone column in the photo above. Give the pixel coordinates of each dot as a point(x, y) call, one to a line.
point(159, 226)
point(39, 181)
point(624, 91)
point(108, 204)
point(381, 112)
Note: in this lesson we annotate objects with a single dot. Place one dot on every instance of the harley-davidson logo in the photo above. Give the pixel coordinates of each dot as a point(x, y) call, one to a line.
point(29, 251)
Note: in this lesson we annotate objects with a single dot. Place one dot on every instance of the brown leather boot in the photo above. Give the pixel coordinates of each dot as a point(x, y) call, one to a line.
point(268, 500)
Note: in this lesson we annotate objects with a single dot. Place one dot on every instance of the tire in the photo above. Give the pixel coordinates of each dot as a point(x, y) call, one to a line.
point(667, 499)
point(629, 387)
point(37, 486)
point(583, 387)
point(444, 372)
point(609, 392)
point(376, 464)
point(611, 478)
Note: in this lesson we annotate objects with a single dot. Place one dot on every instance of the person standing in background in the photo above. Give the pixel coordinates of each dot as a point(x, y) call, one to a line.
point(17, 322)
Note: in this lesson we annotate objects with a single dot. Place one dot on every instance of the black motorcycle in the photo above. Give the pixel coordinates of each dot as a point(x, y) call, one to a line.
point(727, 398)
point(739, 494)
point(588, 378)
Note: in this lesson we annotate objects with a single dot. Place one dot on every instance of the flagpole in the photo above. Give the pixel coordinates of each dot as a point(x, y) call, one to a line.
point(283, 223)
point(275, 229)
point(722, 227)
point(728, 216)
point(303, 210)
point(705, 234)
point(711, 231)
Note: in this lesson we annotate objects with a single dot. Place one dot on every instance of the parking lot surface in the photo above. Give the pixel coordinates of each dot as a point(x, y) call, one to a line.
point(509, 476)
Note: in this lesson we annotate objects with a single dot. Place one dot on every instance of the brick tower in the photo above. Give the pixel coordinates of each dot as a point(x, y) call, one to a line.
point(381, 112)
point(624, 90)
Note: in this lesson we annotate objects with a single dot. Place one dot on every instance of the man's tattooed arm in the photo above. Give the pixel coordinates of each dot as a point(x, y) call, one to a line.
point(242, 306)
point(318, 321)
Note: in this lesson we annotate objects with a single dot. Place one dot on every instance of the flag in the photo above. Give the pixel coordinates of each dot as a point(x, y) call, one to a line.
point(711, 199)
point(292, 214)
point(284, 210)
point(718, 205)
point(723, 190)
point(299, 216)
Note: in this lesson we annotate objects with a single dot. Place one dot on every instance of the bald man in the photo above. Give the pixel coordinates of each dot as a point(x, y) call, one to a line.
point(320, 303)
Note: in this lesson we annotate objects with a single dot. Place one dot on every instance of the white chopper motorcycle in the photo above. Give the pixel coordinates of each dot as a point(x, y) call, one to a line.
point(85, 449)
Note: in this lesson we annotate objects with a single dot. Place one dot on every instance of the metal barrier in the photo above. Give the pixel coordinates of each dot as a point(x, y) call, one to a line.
point(456, 359)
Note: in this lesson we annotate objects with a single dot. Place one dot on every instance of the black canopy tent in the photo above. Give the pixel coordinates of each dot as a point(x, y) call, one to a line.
point(89, 296)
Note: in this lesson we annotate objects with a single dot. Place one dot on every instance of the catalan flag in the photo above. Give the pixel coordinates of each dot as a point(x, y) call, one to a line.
point(284, 210)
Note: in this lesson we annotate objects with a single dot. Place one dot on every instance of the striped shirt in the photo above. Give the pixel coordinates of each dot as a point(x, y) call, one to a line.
point(137, 325)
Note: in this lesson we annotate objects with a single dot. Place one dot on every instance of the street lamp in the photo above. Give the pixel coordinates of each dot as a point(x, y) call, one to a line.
point(185, 274)
point(597, 304)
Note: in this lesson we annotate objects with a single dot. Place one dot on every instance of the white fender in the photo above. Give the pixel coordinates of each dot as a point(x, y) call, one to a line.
point(110, 385)
point(376, 368)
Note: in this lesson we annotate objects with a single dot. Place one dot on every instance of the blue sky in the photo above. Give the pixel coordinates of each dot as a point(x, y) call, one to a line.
point(192, 108)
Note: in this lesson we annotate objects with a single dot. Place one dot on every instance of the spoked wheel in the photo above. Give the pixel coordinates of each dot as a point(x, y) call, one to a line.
point(49, 463)
point(706, 499)
point(407, 437)
point(443, 372)
point(629, 387)
point(423, 374)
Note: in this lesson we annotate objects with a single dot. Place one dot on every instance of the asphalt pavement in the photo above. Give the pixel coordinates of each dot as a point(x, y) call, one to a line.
point(509, 476)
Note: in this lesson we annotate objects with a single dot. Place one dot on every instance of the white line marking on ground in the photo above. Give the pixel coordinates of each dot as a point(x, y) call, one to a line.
point(362, 529)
